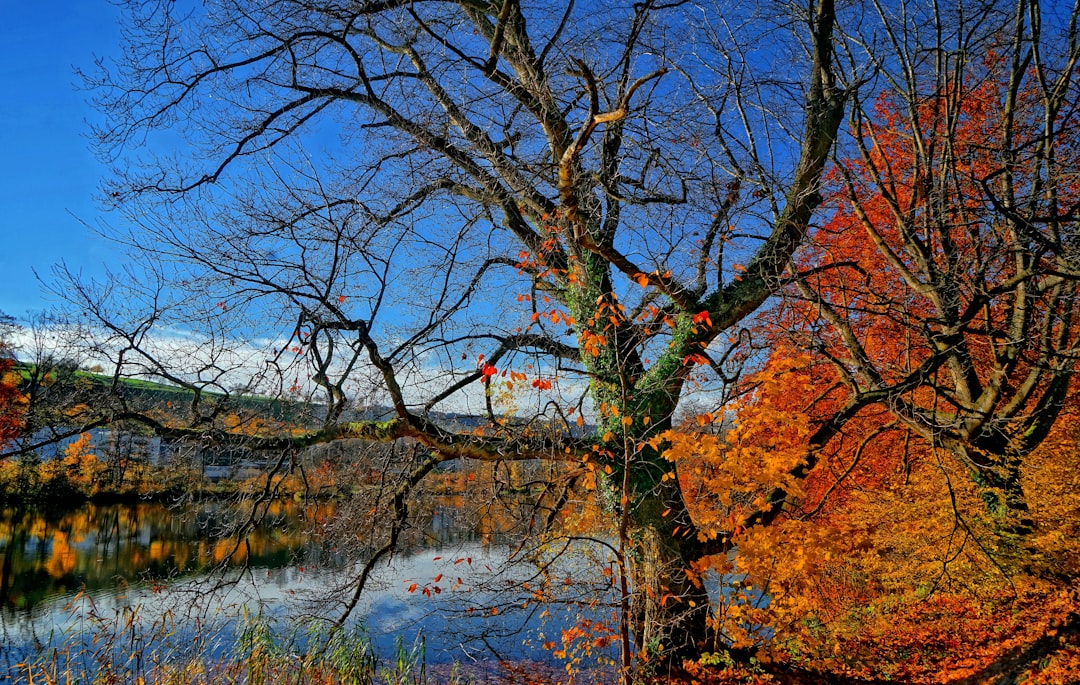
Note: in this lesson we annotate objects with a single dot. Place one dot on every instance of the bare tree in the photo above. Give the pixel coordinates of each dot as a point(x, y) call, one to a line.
point(406, 201)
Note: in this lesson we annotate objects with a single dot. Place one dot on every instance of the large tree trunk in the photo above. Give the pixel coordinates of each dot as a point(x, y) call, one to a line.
point(670, 609)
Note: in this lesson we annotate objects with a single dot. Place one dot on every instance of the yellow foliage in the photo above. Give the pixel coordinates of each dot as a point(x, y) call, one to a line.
point(907, 525)
point(799, 565)
point(82, 467)
point(727, 478)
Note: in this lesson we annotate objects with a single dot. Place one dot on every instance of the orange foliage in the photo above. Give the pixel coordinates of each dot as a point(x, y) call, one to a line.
point(252, 424)
point(12, 401)
point(887, 559)
point(907, 272)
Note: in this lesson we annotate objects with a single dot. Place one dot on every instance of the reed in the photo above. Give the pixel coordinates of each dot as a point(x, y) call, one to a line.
point(131, 648)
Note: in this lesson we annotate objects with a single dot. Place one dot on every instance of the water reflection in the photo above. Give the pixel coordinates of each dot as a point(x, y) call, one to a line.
point(157, 563)
point(97, 548)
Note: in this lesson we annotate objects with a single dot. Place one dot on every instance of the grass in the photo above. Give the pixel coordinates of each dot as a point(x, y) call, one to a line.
point(127, 649)
point(159, 392)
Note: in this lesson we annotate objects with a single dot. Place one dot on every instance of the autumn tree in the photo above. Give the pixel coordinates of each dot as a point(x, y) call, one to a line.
point(11, 399)
point(938, 299)
point(926, 345)
point(921, 359)
point(944, 287)
point(410, 203)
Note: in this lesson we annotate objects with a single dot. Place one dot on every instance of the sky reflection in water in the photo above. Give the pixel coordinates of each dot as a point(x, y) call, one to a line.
point(70, 576)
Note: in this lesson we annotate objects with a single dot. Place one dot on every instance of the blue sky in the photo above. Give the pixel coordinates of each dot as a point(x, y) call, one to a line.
point(49, 174)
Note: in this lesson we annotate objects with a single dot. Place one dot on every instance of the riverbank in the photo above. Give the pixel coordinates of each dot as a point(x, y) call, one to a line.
point(1027, 632)
point(73, 481)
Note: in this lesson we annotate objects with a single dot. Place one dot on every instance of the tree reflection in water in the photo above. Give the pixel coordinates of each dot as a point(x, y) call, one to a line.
point(452, 584)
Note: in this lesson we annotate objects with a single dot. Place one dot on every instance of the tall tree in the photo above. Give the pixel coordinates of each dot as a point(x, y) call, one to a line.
point(404, 201)
point(943, 290)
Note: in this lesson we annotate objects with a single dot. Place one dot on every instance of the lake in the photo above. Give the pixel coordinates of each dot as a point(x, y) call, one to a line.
point(180, 580)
